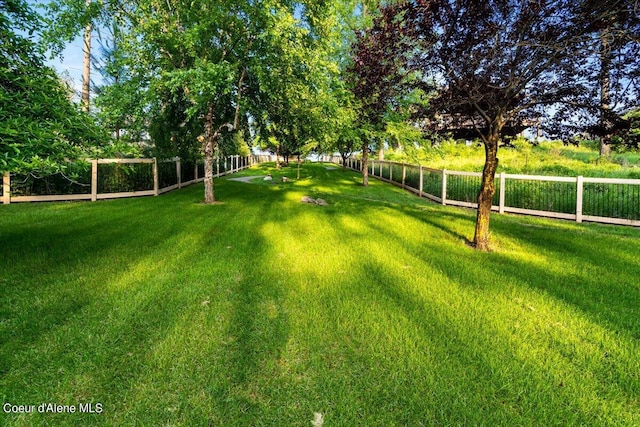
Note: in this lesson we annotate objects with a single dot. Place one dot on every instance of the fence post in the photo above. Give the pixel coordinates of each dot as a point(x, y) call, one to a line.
point(444, 186)
point(178, 171)
point(404, 174)
point(421, 186)
point(579, 189)
point(156, 181)
point(217, 166)
point(380, 170)
point(390, 172)
point(502, 192)
point(6, 188)
point(195, 171)
point(94, 180)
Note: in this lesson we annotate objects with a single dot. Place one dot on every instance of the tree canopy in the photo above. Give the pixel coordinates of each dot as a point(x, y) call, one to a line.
point(200, 78)
point(496, 61)
point(40, 127)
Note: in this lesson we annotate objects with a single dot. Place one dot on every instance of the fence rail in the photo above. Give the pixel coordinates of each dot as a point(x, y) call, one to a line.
point(116, 178)
point(604, 200)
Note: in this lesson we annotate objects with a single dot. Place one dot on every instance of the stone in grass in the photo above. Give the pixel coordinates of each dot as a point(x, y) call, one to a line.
point(285, 179)
point(319, 202)
point(318, 419)
point(268, 177)
point(307, 199)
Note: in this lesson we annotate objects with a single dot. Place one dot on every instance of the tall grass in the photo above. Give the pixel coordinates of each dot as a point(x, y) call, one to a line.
point(262, 310)
point(547, 158)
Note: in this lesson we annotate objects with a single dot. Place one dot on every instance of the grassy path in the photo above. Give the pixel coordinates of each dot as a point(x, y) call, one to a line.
point(262, 310)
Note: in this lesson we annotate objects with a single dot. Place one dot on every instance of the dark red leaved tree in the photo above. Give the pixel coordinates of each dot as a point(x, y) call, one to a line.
point(500, 61)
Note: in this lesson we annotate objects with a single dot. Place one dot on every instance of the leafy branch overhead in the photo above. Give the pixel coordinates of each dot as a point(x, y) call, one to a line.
point(40, 128)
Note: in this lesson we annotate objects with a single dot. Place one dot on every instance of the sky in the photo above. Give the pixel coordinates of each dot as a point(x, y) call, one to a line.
point(69, 63)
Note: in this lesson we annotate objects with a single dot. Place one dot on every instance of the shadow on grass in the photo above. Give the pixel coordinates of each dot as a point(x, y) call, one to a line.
point(486, 375)
point(598, 280)
point(176, 313)
point(134, 270)
point(504, 376)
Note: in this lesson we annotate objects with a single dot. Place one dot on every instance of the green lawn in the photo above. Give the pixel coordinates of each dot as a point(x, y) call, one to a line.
point(262, 310)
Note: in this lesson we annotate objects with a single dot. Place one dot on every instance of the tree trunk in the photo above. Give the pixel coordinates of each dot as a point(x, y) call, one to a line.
point(365, 164)
point(381, 152)
point(86, 65)
point(209, 146)
point(299, 161)
point(605, 94)
point(487, 190)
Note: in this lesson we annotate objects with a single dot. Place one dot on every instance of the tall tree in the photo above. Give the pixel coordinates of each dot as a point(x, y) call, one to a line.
point(65, 20)
point(377, 73)
point(86, 64)
point(616, 45)
point(194, 56)
point(496, 61)
point(297, 101)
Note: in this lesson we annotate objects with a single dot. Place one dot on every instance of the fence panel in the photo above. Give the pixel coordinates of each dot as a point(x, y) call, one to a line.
point(384, 170)
point(611, 199)
point(113, 178)
point(463, 187)
point(125, 178)
point(77, 181)
point(412, 177)
point(221, 165)
point(548, 194)
point(395, 172)
point(167, 175)
point(187, 171)
point(201, 171)
point(432, 184)
point(615, 201)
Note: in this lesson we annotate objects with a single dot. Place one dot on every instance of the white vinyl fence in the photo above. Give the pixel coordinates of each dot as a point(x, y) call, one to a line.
point(604, 200)
point(116, 178)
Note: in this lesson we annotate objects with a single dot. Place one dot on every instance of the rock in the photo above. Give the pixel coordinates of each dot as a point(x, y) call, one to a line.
point(321, 202)
point(285, 179)
point(307, 199)
point(268, 178)
point(318, 419)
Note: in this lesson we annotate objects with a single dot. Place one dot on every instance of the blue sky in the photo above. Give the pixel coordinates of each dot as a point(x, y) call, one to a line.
point(69, 63)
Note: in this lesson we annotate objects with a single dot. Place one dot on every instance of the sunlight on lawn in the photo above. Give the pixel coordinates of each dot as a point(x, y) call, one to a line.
point(264, 310)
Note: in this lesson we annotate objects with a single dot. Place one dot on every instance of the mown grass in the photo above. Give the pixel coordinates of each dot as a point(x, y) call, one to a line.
point(262, 310)
point(548, 158)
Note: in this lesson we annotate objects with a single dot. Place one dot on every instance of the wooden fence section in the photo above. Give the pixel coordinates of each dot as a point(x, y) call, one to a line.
point(132, 178)
point(603, 200)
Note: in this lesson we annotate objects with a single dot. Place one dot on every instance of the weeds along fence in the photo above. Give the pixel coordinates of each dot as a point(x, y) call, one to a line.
point(99, 179)
point(604, 200)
